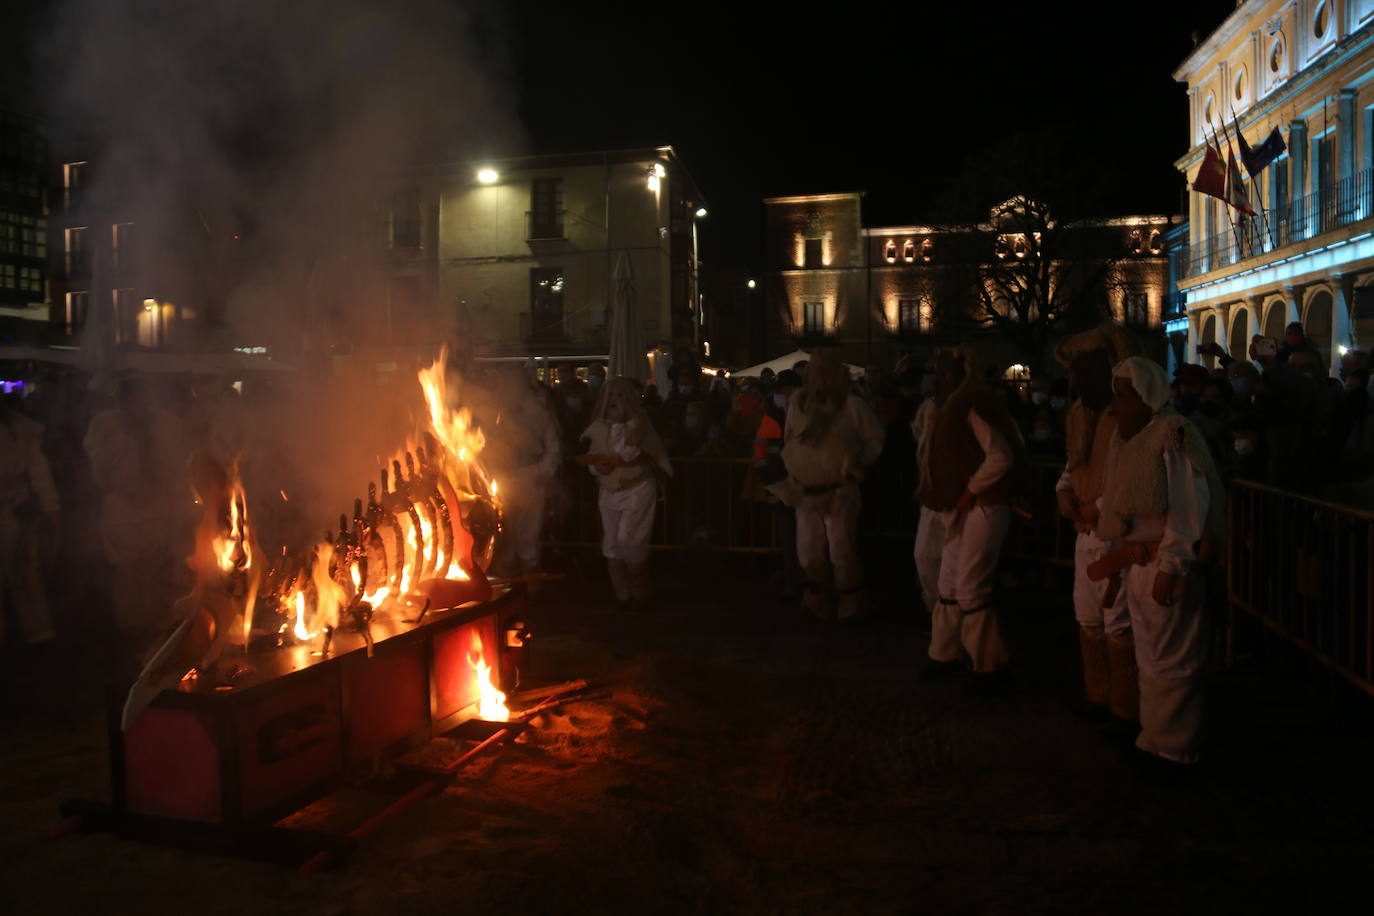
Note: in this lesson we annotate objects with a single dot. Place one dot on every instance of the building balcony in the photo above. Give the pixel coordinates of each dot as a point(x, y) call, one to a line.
point(1329, 208)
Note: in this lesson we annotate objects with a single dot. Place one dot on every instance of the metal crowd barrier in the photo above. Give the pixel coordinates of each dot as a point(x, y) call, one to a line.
point(703, 507)
point(1304, 568)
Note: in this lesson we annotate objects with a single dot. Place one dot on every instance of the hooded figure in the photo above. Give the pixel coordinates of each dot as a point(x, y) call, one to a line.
point(523, 452)
point(23, 470)
point(1104, 633)
point(830, 437)
point(970, 461)
point(625, 454)
point(1162, 508)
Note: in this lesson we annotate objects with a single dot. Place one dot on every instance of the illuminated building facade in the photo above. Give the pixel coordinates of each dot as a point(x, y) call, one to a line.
point(24, 294)
point(878, 291)
point(519, 257)
point(1303, 67)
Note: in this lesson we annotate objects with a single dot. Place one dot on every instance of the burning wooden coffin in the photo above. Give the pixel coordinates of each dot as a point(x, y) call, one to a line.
point(285, 680)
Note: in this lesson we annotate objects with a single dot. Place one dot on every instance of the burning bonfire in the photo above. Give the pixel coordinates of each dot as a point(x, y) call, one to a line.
point(423, 539)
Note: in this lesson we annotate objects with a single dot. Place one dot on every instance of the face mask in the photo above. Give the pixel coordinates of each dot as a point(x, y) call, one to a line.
point(574, 403)
point(594, 382)
point(1039, 398)
point(780, 400)
point(1058, 403)
point(1245, 446)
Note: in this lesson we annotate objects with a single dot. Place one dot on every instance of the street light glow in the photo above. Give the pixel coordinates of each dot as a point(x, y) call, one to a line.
point(752, 284)
point(701, 212)
point(487, 176)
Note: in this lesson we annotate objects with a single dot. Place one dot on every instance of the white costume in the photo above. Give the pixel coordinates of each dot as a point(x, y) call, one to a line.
point(973, 544)
point(523, 452)
point(1162, 492)
point(826, 473)
point(147, 511)
point(23, 468)
point(629, 491)
point(930, 531)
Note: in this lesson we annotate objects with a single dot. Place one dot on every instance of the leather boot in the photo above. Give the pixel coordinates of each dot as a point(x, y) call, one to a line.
point(1125, 678)
point(620, 579)
point(1097, 680)
point(639, 581)
point(817, 593)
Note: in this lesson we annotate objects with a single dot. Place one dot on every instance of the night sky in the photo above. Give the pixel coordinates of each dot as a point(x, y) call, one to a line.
point(773, 99)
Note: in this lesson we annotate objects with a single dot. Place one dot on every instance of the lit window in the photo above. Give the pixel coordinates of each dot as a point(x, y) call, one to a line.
point(1019, 246)
point(890, 252)
point(1136, 306)
point(1156, 242)
point(1135, 245)
point(909, 251)
point(76, 309)
point(1001, 248)
point(927, 250)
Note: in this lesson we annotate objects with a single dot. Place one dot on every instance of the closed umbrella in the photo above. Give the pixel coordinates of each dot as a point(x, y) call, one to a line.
point(627, 350)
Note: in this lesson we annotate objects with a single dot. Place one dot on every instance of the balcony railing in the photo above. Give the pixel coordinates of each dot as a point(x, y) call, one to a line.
point(1329, 207)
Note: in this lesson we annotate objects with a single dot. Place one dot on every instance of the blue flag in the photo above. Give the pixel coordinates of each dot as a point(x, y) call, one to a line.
point(1258, 158)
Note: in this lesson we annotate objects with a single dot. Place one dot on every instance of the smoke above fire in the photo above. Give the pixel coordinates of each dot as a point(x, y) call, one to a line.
point(256, 145)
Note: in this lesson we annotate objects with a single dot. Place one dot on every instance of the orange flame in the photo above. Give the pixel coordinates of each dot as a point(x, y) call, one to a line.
point(491, 702)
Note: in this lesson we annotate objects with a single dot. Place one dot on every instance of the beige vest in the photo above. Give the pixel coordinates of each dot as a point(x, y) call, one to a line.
point(1136, 484)
point(1088, 438)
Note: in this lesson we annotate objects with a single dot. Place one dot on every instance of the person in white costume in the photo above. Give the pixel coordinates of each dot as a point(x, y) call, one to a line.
point(1104, 633)
point(626, 456)
point(1162, 509)
point(930, 530)
point(147, 511)
point(523, 453)
point(969, 462)
point(831, 436)
point(24, 469)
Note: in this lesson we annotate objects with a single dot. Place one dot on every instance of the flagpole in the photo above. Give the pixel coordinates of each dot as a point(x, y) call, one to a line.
point(1258, 189)
point(1235, 231)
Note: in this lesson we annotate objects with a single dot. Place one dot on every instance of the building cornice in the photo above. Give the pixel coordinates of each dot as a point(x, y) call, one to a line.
point(815, 198)
point(1213, 42)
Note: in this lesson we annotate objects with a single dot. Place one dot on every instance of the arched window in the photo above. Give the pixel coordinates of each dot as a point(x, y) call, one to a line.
point(1134, 244)
point(1019, 247)
point(1156, 242)
point(890, 252)
point(1321, 20)
point(927, 250)
point(1316, 323)
point(1239, 87)
point(1276, 56)
point(1001, 248)
point(909, 251)
point(1276, 319)
point(1209, 335)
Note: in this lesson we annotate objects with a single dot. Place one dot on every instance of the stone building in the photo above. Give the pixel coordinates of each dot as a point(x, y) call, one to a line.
point(1303, 67)
point(879, 291)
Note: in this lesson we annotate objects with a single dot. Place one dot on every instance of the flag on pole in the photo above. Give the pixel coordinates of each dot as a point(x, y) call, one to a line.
point(1257, 159)
point(1211, 178)
point(1236, 195)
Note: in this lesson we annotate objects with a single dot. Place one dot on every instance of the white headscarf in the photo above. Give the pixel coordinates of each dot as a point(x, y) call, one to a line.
point(1148, 378)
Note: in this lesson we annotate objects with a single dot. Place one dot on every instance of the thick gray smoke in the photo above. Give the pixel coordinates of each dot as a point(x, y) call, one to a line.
point(255, 144)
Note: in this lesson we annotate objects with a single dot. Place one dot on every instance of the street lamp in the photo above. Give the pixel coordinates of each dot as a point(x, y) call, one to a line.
point(752, 284)
point(487, 176)
point(701, 212)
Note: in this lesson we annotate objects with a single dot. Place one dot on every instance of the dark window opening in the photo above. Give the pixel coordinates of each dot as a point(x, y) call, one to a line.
point(814, 252)
point(405, 218)
point(546, 208)
point(813, 317)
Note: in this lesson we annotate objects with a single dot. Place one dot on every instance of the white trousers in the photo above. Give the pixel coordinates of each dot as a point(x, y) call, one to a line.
point(627, 521)
point(1169, 652)
point(930, 544)
point(1087, 594)
point(963, 618)
point(20, 580)
point(829, 525)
